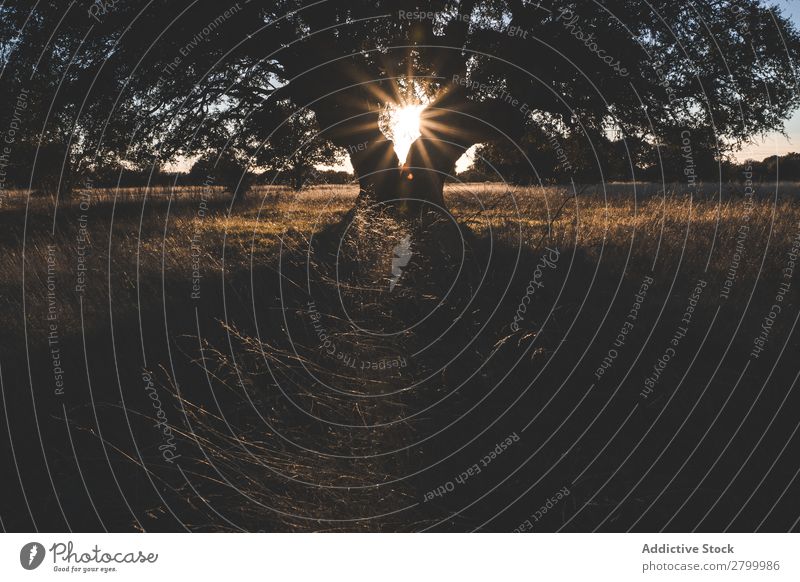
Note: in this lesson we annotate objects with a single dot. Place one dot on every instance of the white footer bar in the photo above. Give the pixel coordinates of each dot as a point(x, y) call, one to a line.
point(400, 557)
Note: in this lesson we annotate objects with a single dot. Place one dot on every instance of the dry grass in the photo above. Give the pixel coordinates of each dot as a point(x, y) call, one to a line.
point(653, 226)
point(143, 246)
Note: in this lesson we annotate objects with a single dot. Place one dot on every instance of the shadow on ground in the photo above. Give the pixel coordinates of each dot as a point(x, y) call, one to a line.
point(386, 375)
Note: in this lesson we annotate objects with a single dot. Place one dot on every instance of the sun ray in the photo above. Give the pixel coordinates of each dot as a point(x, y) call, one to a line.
point(403, 127)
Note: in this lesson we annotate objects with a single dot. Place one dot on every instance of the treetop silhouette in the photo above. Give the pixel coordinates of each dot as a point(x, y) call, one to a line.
point(157, 80)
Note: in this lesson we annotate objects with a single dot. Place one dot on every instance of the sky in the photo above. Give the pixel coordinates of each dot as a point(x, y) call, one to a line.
point(776, 144)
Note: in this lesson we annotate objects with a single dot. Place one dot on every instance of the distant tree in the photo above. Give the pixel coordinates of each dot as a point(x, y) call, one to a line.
point(784, 168)
point(627, 159)
point(331, 177)
point(292, 144)
point(54, 170)
point(225, 169)
point(537, 156)
point(476, 173)
point(545, 155)
point(685, 156)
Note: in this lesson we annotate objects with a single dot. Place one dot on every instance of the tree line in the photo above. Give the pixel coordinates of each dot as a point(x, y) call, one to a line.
point(609, 160)
point(551, 158)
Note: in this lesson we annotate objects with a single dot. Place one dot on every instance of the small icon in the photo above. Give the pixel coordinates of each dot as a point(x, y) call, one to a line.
point(401, 256)
point(31, 555)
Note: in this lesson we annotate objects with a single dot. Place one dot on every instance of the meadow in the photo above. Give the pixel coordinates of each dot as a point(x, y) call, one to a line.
point(249, 369)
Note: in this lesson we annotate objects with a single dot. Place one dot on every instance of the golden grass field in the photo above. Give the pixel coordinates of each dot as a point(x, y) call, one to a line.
point(619, 221)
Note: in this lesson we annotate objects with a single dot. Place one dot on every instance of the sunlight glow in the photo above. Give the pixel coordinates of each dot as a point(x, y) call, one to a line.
point(403, 128)
point(466, 160)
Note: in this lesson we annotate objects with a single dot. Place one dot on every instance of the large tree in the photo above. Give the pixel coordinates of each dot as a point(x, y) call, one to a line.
point(158, 79)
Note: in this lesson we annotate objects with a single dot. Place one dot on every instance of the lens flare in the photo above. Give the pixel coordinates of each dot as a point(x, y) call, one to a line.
point(403, 128)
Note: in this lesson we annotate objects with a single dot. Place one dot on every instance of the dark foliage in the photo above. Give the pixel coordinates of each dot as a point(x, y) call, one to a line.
point(146, 82)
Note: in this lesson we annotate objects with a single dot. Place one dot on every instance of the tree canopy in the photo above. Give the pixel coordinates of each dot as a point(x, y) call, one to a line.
point(159, 79)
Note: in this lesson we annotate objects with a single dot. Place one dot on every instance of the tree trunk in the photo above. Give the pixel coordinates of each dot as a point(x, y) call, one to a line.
point(448, 127)
point(299, 180)
point(413, 188)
